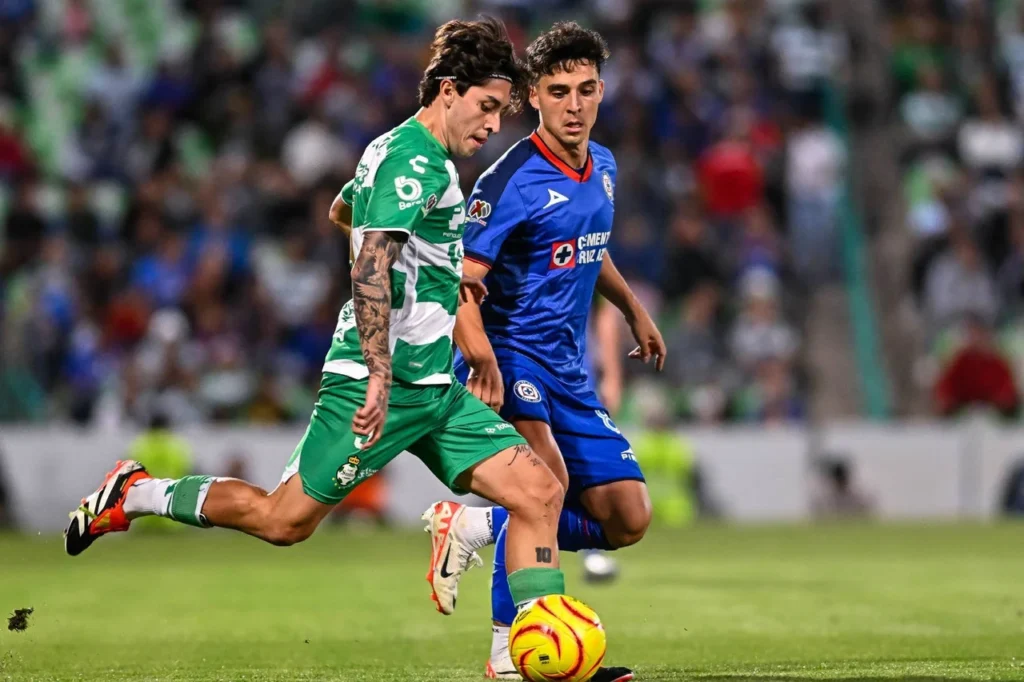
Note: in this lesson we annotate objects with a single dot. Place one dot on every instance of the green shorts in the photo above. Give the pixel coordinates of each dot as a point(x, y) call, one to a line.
point(445, 426)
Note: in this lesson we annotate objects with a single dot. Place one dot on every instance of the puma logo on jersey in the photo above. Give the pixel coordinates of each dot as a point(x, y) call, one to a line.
point(555, 198)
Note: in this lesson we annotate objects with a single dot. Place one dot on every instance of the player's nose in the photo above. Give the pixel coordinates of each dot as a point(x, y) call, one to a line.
point(493, 123)
point(574, 102)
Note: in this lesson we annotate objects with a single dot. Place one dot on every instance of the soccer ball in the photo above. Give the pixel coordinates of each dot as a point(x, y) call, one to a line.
point(557, 638)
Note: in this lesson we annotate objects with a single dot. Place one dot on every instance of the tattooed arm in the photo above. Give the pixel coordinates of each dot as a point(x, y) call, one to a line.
point(371, 300)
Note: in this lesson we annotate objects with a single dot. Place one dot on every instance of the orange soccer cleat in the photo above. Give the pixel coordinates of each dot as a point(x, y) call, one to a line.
point(103, 511)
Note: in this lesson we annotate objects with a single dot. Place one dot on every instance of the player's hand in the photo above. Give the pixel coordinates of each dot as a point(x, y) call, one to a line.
point(485, 383)
point(649, 339)
point(368, 421)
point(472, 289)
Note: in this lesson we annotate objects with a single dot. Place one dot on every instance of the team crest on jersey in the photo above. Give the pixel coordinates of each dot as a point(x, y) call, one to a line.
point(608, 423)
point(526, 391)
point(609, 189)
point(479, 211)
point(563, 255)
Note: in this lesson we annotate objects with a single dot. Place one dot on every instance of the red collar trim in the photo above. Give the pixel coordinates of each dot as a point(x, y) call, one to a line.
point(553, 159)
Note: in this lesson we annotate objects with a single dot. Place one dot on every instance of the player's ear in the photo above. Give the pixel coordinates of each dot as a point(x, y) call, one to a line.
point(447, 93)
point(534, 97)
point(600, 90)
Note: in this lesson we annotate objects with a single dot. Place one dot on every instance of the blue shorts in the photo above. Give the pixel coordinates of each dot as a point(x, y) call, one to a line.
point(594, 450)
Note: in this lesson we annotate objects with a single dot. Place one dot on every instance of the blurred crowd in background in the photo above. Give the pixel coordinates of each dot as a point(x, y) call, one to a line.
point(166, 169)
point(958, 67)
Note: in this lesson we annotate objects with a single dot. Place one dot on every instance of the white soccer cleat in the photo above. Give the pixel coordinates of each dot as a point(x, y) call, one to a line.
point(450, 557)
point(500, 667)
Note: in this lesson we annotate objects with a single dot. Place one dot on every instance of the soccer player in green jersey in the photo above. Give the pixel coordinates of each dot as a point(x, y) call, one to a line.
point(387, 380)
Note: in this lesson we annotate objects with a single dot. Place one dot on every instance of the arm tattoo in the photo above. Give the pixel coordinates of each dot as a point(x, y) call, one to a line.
point(371, 299)
point(519, 450)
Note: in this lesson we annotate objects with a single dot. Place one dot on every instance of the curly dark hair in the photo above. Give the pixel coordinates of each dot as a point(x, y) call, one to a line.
point(470, 53)
point(565, 45)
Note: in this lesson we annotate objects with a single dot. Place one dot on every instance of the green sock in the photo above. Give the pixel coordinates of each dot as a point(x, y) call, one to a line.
point(187, 497)
point(528, 584)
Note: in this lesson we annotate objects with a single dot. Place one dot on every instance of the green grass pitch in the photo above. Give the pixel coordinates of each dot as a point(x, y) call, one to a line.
point(855, 602)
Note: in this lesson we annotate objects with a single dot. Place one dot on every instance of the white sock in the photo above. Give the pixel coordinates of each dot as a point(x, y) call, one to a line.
point(475, 527)
point(148, 497)
point(499, 640)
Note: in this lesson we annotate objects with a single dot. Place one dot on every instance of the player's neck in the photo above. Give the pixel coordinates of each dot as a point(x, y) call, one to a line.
point(574, 157)
point(432, 119)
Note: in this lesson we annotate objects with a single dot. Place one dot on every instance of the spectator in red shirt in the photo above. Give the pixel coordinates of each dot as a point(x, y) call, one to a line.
point(730, 177)
point(327, 75)
point(14, 158)
point(978, 374)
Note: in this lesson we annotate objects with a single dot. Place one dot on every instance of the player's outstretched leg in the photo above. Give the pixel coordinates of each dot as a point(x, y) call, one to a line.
point(284, 517)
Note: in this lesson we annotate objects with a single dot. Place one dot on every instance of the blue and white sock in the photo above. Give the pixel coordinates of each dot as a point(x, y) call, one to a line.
point(578, 530)
point(503, 606)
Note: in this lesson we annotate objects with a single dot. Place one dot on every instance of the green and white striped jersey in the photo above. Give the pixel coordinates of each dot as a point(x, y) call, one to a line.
point(406, 182)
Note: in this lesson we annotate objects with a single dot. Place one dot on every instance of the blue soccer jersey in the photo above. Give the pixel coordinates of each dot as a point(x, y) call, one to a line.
point(551, 226)
point(543, 230)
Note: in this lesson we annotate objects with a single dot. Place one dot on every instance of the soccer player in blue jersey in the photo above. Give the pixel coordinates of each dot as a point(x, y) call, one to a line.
point(539, 223)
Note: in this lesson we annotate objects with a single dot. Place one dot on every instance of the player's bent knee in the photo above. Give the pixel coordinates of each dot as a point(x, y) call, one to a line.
point(628, 515)
point(285, 534)
point(551, 493)
point(285, 527)
point(539, 496)
point(630, 529)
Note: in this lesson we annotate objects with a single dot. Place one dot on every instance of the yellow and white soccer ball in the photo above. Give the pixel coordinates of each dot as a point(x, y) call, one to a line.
point(557, 638)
